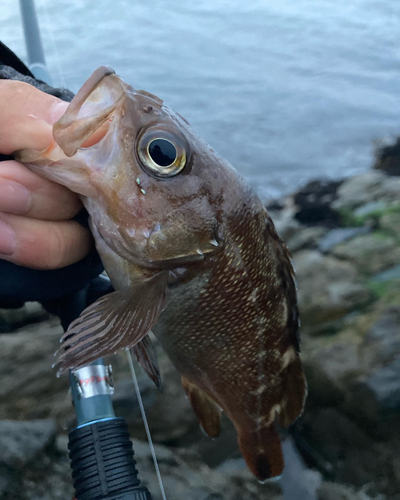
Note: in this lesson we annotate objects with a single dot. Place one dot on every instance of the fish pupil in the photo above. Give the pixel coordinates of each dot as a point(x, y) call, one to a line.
point(162, 152)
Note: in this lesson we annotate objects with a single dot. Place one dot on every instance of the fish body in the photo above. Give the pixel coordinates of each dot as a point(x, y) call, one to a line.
point(191, 253)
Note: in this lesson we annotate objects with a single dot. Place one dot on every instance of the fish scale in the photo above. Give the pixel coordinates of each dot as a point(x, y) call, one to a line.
point(192, 255)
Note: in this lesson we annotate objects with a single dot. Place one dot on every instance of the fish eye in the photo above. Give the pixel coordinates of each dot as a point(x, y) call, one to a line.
point(162, 153)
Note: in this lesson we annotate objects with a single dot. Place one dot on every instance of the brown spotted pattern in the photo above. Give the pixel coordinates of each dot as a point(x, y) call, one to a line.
point(198, 242)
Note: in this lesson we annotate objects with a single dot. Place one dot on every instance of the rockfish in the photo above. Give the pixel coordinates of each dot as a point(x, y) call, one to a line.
point(192, 255)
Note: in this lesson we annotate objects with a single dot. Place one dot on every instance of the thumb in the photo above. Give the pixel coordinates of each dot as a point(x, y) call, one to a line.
point(26, 117)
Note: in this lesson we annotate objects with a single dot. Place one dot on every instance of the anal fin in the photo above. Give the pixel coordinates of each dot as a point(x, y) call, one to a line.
point(206, 409)
point(294, 394)
point(147, 358)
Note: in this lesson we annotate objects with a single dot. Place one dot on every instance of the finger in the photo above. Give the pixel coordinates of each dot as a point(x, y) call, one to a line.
point(42, 244)
point(26, 193)
point(26, 117)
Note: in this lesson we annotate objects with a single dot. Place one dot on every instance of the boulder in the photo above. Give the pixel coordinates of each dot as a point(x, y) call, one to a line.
point(328, 288)
point(388, 158)
point(313, 203)
point(391, 223)
point(21, 442)
point(370, 253)
point(336, 236)
point(306, 238)
point(359, 190)
point(30, 388)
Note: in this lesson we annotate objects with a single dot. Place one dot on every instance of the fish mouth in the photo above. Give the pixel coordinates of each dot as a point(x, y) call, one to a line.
point(121, 247)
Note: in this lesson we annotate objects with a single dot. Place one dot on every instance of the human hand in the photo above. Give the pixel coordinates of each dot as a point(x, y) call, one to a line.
point(35, 226)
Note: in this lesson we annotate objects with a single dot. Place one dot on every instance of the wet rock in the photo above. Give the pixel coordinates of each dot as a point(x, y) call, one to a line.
point(353, 455)
point(381, 343)
point(21, 442)
point(389, 275)
point(371, 253)
point(307, 237)
point(359, 190)
point(391, 223)
point(337, 236)
point(297, 480)
point(313, 203)
point(328, 288)
point(371, 207)
point(186, 478)
point(284, 223)
point(26, 375)
point(379, 387)
point(391, 189)
point(335, 491)
point(171, 418)
point(384, 386)
point(388, 158)
point(12, 319)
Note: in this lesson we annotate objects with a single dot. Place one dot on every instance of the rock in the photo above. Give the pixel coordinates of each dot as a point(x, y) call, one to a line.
point(359, 190)
point(5, 480)
point(297, 481)
point(388, 158)
point(12, 319)
point(21, 442)
point(384, 386)
point(391, 189)
point(353, 456)
point(381, 343)
point(314, 201)
point(370, 208)
point(328, 288)
point(170, 416)
point(389, 275)
point(337, 236)
point(285, 224)
point(391, 223)
point(371, 253)
point(305, 238)
point(335, 491)
point(26, 374)
point(379, 386)
point(186, 478)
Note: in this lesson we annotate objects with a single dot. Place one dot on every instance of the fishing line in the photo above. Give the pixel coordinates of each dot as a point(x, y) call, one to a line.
point(146, 425)
point(50, 30)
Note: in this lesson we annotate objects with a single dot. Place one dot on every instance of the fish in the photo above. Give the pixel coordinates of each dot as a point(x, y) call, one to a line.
point(193, 256)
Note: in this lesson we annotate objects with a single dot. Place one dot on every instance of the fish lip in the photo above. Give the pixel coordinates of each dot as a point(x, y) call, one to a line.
point(155, 264)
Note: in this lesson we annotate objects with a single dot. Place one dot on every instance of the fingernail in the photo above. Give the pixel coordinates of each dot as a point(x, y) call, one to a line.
point(8, 239)
point(58, 108)
point(14, 197)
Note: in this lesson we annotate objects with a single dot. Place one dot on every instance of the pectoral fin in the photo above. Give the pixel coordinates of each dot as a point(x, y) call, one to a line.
point(147, 358)
point(206, 409)
point(115, 321)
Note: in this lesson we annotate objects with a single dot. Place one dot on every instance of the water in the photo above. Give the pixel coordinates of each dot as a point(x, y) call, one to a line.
point(287, 91)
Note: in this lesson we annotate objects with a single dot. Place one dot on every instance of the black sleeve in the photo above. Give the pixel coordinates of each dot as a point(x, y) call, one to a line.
point(20, 284)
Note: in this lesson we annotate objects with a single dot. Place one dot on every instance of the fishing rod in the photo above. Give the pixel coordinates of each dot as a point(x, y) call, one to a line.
point(100, 449)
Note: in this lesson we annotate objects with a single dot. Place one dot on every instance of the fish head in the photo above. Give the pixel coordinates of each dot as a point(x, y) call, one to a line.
point(157, 194)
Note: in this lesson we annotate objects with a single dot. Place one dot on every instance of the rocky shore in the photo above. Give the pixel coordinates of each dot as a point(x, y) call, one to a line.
point(345, 240)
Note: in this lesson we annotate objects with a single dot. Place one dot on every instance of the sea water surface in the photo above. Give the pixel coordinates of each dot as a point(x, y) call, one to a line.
point(286, 90)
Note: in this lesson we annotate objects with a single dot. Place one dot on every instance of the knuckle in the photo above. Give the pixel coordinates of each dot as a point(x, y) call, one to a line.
point(58, 248)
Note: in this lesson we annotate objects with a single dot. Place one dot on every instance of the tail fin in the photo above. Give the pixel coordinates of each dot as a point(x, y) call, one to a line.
point(262, 451)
